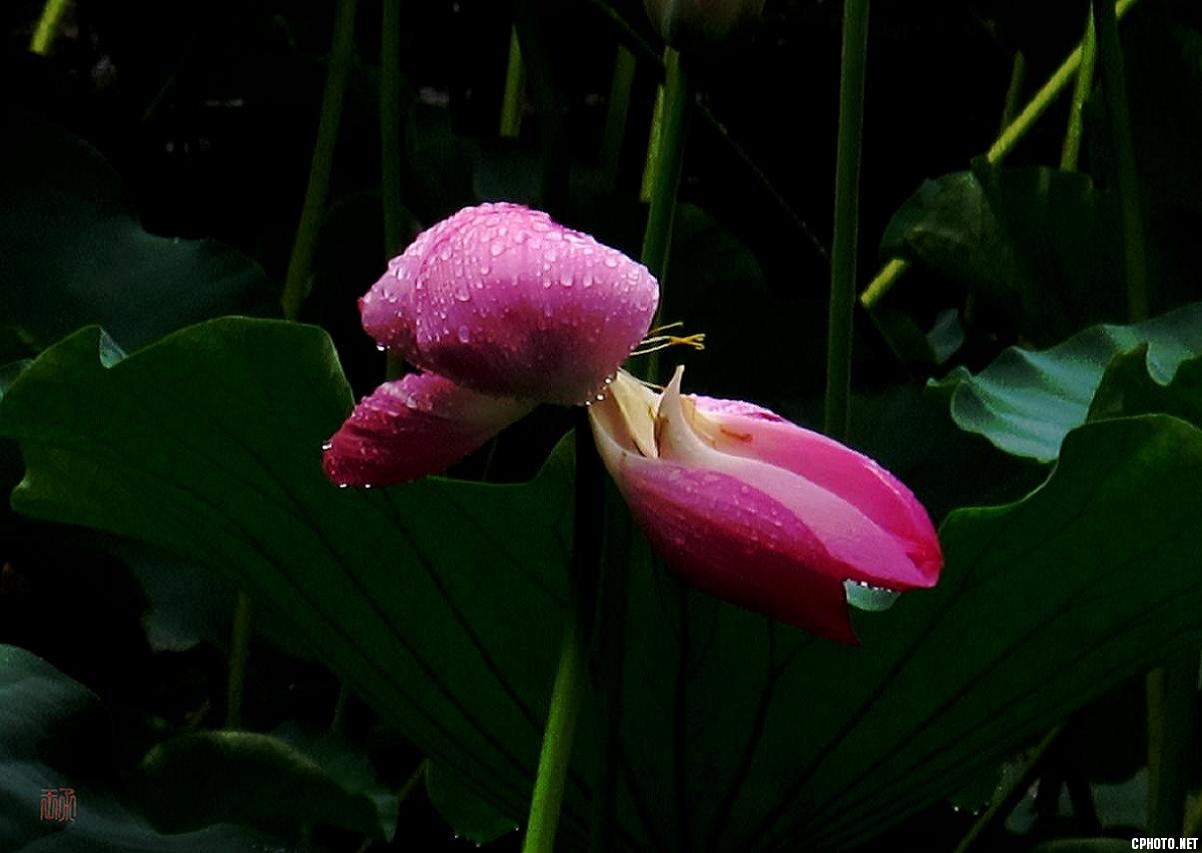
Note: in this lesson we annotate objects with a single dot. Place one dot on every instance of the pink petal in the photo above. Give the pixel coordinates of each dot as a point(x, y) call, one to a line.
point(418, 425)
point(736, 543)
point(745, 430)
point(505, 301)
point(857, 547)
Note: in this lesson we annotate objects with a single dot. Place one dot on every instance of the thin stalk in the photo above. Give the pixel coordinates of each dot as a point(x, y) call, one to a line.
point(1071, 151)
point(616, 112)
point(557, 745)
point(1171, 692)
point(1018, 77)
point(847, 198)
point(665, 157)
point(664, 167)
point(515, 78)
point(239, 654)
point(390, 125)
point(1114, 86)
point(296, 284)
point(47, 28)
point(588, 520)
point(1002, 146)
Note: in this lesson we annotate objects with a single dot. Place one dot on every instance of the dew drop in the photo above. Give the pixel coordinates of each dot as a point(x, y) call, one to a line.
point(612, 263)
point(496, 249)
point(465, 334)
point(865, 596)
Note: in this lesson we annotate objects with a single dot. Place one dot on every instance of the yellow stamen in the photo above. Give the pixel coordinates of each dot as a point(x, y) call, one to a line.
point(657, 341)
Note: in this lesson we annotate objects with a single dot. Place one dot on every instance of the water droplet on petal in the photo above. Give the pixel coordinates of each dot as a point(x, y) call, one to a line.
point(865, 596)
point(465, 334)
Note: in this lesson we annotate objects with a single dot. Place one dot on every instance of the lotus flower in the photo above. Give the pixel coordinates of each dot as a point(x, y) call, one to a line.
point(503, 309)
point(756, 510)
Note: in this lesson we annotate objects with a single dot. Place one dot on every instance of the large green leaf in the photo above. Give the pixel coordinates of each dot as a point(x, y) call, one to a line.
point(54, 734)
point(1128, 388)
point(1026, 401)
point(387, 584)
point(72, 252)
point(1037, 247)
point(441, 602)
point(279, 783)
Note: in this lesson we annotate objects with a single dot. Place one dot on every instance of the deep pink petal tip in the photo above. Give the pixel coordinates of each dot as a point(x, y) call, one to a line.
point(418, 425)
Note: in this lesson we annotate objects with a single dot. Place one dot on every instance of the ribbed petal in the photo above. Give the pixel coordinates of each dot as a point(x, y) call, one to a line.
point(854, 545)
point(505, 301)
point(418, 425)
point(748, 431)
point(728, 539)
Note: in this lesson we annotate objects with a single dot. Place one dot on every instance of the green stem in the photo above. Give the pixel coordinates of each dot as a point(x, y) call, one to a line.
point(847, 198)
point(1171, 691)
point(557, 745)
point(239, 654)
point(390, 126)
point(588, 520)
point(1002, 146)
point(1114, 86)
point(47, 28)
point(515, 77)
point(615, 114)
point(296, 284)
point(665, 157)
point(1018, 76)
point(664, 167)
point(1071, 151)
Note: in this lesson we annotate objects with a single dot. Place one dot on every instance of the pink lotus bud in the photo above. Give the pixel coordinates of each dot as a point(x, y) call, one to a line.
point(756, 510)
point(502, 300)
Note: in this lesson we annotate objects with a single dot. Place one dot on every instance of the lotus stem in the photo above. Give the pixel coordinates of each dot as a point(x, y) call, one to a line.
point(1171, 693)
point(390, 125)
point(515, 77)
point(1114, 86)
point(47, 28)
point(1071, 151)
point(837, 417)
point(616, 112)
point(239, 654)
point(665, 156)
point(296, 283)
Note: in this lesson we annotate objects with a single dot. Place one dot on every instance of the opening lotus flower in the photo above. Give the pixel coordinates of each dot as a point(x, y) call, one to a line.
point(503, 309)
point(756, 510)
